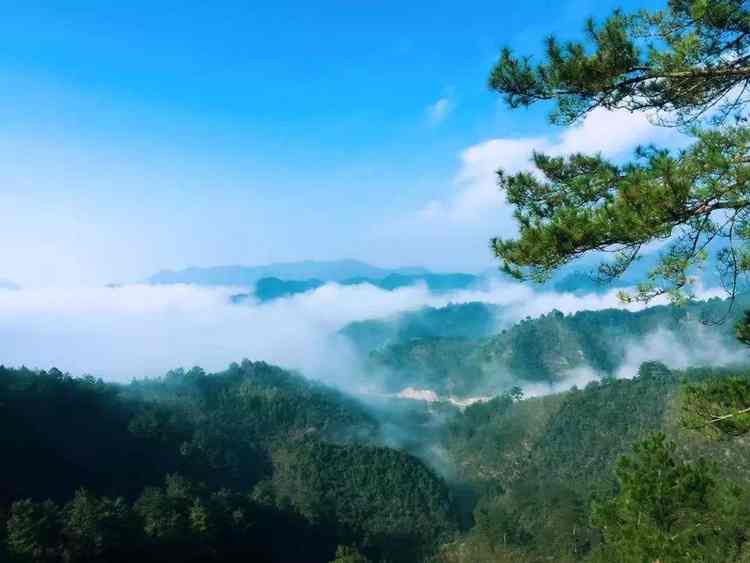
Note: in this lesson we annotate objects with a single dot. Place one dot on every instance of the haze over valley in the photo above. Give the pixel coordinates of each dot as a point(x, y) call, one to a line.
point(383, 282)
point(339, 326)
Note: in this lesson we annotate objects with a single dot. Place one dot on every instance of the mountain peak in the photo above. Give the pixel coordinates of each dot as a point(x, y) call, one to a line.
point(237, 275)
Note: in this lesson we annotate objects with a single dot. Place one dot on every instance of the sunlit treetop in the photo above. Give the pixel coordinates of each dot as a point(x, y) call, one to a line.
point(687, 65)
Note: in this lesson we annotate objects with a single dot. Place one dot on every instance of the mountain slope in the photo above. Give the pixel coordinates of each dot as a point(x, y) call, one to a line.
point(537, 464)
point(250, 462)
point(546, 349)
point(463, 321)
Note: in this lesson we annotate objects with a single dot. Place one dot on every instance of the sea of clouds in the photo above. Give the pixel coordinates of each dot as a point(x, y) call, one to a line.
point(135, 331)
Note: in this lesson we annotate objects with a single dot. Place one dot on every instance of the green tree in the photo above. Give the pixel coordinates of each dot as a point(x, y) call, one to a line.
point(162, 517)
point(33, 531)
point(653, 370)
point(95, 525)
point(348, 554)
point(666, 509)
point(201, 521)
point(688, 65)
point(721, 406)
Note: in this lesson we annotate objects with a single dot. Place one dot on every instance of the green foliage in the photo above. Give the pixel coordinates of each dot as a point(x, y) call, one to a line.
point(111, 447)
point(79, 426)
point(684, 59)
point(666, 509)
point(32, 530)
point(348, 554)
point(680, 63)
point(243, 477)
point(439, 364)
point(342, 488)
point(545, 503)
point(463, 321)
point(95, 526)
point(537, 464)
point(653, 370)
point(718, 407)
point(258, 463)
point(541, 349)
point(742, 329)
point(180, 522)
point(594, 427)
point(586, 204)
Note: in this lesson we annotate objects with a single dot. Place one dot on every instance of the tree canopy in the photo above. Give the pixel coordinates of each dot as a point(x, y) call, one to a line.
point(666, 509)
point(687, 65)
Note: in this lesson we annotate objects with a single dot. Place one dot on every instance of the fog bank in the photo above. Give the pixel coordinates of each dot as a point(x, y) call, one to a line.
point(119, 333)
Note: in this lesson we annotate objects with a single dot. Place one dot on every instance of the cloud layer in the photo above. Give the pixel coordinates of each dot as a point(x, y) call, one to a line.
point(139, 330)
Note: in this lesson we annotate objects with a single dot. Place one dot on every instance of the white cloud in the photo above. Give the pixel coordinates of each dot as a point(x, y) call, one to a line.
point(613, 133)
point(576, 377)
point(139, 330)
point(477, 200)
point(477, 195)
point(704, 347)
point(440, 110)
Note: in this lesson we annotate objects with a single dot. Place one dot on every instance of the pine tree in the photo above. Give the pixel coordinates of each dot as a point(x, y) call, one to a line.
point(687, 65)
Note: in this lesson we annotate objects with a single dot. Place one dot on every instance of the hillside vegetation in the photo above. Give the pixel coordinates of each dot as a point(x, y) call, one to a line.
point(538, 465)
point(206, 467)
point(258, 462)
point(449, 351)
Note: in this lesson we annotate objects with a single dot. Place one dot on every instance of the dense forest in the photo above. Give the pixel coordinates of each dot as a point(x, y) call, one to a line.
point(543, 467)
point(649, 465)
point(262, 463)
point(469, 349)
point(253, 460)
point(197, 466)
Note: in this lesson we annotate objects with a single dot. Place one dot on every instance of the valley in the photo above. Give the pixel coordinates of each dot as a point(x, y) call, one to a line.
point(375, 282)
point(468, 446)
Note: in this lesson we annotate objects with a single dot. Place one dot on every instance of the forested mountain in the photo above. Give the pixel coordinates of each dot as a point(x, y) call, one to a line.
point(281, 280)
point(246, 276)
point(253, 460)
point(468, 433)
point(269, 288)
point(274, 281)
point(538, 464)
point(465, 321)
point(231, 465)
point(436, 283)
point(452, 350)
point(257, 462)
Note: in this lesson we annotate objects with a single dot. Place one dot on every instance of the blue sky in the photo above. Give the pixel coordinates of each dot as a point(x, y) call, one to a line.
point(139, 136)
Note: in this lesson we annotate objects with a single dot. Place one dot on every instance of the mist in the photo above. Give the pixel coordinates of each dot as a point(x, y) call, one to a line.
point(700, 345)
point(134, 331)
point(137, 331)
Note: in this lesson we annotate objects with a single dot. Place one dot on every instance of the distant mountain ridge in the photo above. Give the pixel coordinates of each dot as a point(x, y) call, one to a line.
point(247, 276)
point(289, 278)
point(270, 288)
